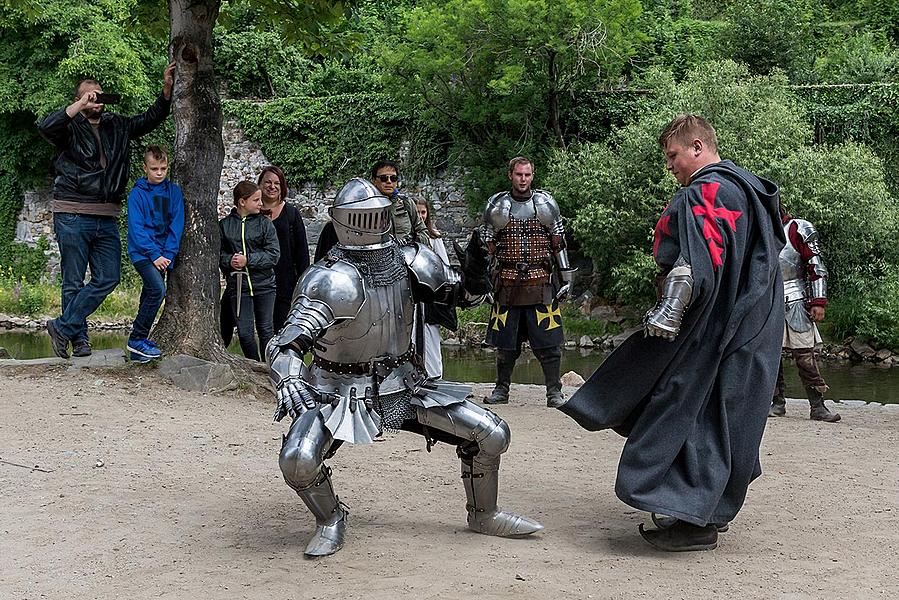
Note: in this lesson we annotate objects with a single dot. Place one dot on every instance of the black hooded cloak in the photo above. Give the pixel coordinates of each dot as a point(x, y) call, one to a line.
point(694, 409)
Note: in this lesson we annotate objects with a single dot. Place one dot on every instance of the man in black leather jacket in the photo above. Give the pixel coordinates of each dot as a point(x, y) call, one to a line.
point(91, 175)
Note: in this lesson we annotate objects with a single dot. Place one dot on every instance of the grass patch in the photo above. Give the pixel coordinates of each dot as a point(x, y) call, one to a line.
point(21, 297)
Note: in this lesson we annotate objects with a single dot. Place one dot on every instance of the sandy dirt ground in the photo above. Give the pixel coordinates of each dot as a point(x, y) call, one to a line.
point(153, 492)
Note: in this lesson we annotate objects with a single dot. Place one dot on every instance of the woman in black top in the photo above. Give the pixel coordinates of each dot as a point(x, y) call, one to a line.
point(291, 239)
point(247, 259)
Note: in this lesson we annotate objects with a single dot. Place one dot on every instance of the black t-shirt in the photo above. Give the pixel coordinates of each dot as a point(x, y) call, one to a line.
point(294, 250)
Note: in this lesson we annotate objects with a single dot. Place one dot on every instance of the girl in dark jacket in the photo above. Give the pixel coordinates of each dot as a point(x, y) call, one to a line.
point(247, 258)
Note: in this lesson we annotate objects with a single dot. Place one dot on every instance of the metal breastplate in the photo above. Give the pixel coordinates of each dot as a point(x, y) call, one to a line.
point(523, 250)
point(383, 326)
point(792, 270)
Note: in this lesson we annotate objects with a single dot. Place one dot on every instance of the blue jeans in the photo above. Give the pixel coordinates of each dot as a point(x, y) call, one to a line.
point(151, 296)
point(85, 240)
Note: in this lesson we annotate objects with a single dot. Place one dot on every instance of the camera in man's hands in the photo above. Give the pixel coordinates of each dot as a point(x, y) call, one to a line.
point(104, 98)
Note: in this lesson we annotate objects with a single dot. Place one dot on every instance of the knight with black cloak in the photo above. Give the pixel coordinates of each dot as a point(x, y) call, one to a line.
point(691, 392)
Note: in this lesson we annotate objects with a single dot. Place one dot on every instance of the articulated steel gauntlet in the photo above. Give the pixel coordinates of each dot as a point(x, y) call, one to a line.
point(566, 274)
point(664, 320)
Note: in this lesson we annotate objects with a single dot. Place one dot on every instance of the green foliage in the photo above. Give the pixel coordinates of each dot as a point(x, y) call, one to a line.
point(881, 15)
point(310, 138)
point(677, 40)
point(869, 307)
point(842, 191)
point(496, 76)
point(768, 34)
point(863, 58)
point(24, 263)
point(633, 278)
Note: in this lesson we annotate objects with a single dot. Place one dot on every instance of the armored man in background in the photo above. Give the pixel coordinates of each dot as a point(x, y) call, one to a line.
point(531, 276)
point(354, 311)
point(805, 299)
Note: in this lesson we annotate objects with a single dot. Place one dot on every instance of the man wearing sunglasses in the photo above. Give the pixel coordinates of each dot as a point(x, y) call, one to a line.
point(407, 225)
point(385, 177)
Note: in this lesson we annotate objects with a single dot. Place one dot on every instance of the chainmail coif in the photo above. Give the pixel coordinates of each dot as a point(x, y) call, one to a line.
point(382, 266)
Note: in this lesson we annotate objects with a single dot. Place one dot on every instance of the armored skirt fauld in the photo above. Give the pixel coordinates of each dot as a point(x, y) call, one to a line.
point(353, 310)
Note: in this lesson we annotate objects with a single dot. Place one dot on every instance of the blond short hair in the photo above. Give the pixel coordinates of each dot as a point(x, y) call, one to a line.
point(520, 160)
point(685, 128)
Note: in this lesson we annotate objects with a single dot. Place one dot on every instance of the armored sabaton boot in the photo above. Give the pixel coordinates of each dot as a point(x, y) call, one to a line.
point(330, 516)
point(551, 363)
point(778, 407)
point(480, 478)
point(819, 412)
point(505, 364)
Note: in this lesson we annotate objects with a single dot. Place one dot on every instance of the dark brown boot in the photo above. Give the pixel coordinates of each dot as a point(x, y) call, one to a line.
point(778, 407)
point(819, 412)
point(505, 364)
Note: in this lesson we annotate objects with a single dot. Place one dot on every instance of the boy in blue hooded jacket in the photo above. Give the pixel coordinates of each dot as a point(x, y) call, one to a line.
point(155, 224)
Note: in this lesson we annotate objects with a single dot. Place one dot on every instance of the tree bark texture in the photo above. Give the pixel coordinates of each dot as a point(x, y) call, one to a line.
point(189, 322)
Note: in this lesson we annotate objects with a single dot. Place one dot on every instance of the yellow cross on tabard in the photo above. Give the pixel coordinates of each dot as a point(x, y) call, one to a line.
point(550, 314)
point(498, 317)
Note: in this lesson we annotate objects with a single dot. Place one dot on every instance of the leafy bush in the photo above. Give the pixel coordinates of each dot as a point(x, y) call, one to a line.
point(309, 137)
point(842, 191)
point(868, 306)
point(769, 34)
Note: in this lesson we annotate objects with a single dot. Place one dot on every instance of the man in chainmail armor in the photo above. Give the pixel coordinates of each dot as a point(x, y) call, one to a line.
point(353, 310)
point(531, 276)
point(805, 300)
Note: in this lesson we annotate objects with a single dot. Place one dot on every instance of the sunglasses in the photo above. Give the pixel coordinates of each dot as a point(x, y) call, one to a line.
point(386, 178)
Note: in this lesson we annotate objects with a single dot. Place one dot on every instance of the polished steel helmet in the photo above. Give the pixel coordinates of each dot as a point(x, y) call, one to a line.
point(361, 215)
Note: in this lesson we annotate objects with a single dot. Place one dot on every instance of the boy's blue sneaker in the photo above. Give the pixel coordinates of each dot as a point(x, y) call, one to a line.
point(144, 349)
point(137, 358)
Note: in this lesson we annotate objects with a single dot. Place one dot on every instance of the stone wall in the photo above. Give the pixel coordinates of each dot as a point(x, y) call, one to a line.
point(243, 161)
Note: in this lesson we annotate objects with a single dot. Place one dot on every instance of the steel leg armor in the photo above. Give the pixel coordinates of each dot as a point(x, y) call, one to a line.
point(480, 465)
point(301, 463)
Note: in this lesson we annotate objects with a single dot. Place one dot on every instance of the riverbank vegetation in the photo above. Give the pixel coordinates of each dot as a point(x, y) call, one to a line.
point(804, 92)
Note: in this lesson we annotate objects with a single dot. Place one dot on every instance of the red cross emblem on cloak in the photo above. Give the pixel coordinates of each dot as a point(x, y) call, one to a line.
point(662, 227)
point(710, 229)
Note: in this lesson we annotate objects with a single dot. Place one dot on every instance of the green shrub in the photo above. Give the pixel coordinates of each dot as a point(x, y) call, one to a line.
point(867, 306)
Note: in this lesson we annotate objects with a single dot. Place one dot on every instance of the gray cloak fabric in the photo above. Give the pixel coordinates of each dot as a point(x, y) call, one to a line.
point(694, 410)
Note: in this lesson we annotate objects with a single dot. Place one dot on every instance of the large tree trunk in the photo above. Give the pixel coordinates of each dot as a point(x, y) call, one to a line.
point(189, 322)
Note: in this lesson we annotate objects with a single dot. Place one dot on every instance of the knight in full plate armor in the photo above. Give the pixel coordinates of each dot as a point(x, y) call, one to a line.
point(353, 310)
point(805, 300)
point(531, 275)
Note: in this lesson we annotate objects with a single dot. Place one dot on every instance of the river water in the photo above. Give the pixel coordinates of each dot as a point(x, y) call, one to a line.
point(848, 381)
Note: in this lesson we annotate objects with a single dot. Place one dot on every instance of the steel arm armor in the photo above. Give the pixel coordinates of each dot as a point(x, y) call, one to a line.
point(808, 233)
point(664, 320)
point(432, 279)
point(549, 215)
point(325, 295)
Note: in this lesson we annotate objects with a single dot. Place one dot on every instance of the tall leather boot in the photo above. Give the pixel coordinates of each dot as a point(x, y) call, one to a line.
point(330, 516)
point(819, 412)
point(505, 364)
point(778, 403)
point(778, 407)
point(481, 480)
point(551, 363)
